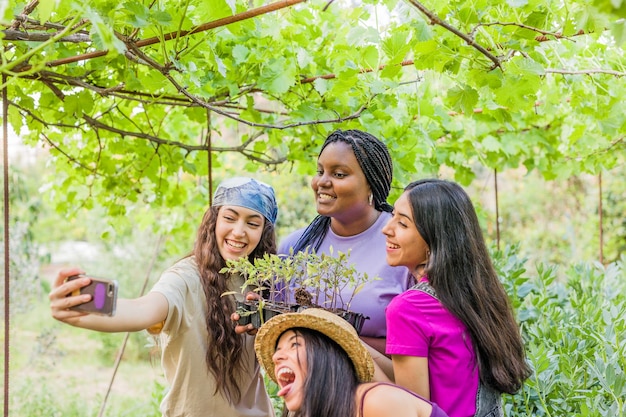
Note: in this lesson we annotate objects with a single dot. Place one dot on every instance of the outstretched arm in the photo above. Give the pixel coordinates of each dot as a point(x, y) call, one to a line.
point(131, 314)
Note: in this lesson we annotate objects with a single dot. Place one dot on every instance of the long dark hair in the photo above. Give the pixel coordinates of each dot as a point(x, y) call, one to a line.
point(224, 347)
point(375, 162)
point(331, 381)
point(461, 272)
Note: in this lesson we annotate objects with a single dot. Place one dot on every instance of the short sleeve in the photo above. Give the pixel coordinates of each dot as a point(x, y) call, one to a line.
point(408, 328)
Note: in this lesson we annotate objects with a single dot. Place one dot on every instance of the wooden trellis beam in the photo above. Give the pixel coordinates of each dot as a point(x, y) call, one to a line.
point(268, 8)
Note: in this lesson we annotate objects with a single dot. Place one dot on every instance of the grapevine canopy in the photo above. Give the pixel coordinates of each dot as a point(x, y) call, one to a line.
point(130, 96)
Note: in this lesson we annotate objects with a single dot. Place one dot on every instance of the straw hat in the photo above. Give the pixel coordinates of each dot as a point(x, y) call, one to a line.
point(325, 322)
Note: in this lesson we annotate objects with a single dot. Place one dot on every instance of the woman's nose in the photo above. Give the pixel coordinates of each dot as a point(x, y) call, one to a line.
point(277, 356)
point(324, 180)
point(239, 229)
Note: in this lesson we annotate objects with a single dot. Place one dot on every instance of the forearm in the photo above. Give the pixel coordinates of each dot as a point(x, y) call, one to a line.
point(383, 367)
point(130, 316)
point(412, 373)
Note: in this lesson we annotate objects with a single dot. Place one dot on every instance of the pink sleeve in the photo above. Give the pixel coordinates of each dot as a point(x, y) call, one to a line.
point(408, 329)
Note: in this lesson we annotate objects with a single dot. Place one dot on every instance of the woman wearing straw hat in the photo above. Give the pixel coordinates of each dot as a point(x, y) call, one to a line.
point(211, 370)
point(323, 370)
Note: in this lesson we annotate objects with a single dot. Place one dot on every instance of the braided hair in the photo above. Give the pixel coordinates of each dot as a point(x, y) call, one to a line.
point(375, 162)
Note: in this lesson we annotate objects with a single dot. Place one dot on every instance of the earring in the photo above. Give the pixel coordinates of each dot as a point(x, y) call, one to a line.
point(371, 198)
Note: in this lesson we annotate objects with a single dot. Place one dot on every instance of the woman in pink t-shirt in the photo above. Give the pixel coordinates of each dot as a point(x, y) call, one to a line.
point(453, 337)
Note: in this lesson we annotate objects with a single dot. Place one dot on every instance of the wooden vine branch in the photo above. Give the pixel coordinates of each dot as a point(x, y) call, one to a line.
point(30, 24)
point(83, 57)
point(27, 10)
point(174, 35)
point(20, 65)
point(96, 124)
point(242, 148)
point(50, 79)
point(70, 158)
point(229, 115)
point(18, 35)
point(543, 36)
point(435, 20)
point(585, 72)
point(268, 8)
point(361, 71)
point(614, 144)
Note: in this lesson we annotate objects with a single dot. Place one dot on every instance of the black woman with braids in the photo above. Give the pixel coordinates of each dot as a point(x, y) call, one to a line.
point(354, 173)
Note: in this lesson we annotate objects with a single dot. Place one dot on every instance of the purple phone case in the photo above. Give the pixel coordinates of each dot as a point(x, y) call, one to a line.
point(103, 296)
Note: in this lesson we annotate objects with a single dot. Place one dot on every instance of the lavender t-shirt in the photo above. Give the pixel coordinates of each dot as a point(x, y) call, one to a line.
point(368, 253)
point(418, 325)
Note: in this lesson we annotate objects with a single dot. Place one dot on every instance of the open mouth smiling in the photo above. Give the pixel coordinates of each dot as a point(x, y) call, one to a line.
point(326, 197)
point(285, 376)
point(235, 244)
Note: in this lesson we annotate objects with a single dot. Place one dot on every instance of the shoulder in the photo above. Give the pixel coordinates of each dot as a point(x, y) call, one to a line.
point(183, 274)
point(289, 241)
point(384, 216)
point(184, 268)
point(418, 297)
point(382, 400)
point(378, 225)
point(412, 300)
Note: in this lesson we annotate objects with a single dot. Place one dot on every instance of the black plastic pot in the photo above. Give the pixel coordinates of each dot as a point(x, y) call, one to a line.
point(249, 311)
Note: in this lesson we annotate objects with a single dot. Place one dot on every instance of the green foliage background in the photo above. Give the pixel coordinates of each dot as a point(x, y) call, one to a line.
point(134, 120)
point(139, 118)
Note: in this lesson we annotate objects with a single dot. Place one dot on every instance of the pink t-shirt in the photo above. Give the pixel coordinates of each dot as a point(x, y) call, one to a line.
point(418, 325)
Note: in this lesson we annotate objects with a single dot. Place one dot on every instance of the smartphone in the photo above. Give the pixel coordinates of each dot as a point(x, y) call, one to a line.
point(103, 295)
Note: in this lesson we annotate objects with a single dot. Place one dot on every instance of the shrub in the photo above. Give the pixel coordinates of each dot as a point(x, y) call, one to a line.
point(575, 334)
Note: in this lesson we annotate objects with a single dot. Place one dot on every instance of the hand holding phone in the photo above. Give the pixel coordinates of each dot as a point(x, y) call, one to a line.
point(103, 293)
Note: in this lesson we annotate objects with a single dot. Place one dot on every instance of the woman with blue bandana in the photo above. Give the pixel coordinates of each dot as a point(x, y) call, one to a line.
point(211, 370)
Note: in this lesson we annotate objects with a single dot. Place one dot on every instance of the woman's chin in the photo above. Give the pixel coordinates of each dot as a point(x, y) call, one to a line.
point(292, 405)
point(392, 262)
point(293, 402)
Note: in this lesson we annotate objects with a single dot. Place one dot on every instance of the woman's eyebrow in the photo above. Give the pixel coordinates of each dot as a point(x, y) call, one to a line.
point(255, 215)
point(295, 336)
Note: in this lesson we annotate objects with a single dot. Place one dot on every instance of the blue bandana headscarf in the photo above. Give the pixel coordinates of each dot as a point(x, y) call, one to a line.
point(249, 193)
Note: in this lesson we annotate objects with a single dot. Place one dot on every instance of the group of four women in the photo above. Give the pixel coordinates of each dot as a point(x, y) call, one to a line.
point(438, 310)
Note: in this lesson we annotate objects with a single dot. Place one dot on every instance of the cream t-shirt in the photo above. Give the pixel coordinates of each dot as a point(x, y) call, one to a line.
point(183, 344)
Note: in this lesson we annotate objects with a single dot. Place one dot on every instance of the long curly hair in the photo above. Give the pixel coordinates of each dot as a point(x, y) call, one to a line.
point(460, 270)
point(375, 162)
point(225, 348)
